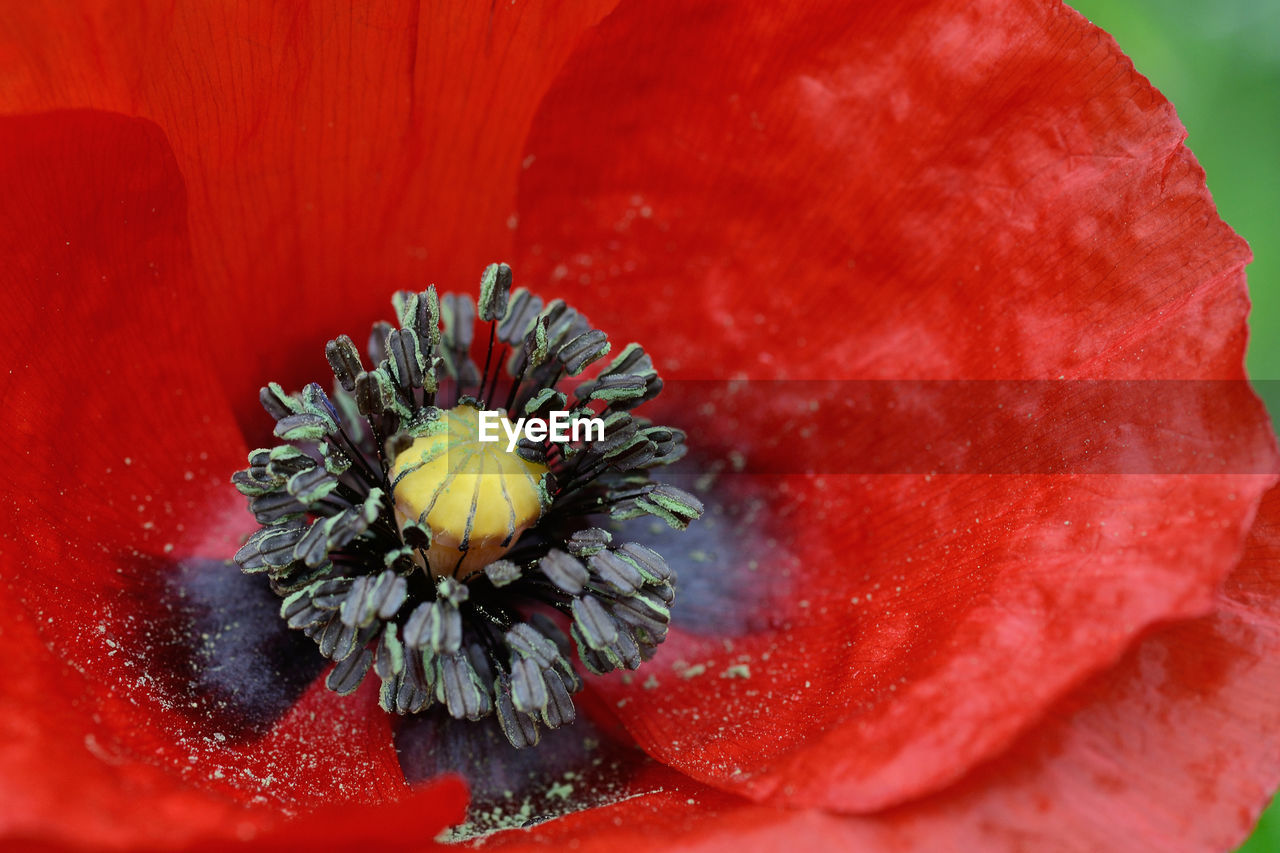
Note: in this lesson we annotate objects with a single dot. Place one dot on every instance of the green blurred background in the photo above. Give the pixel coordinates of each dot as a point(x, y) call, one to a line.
point(1219, 62)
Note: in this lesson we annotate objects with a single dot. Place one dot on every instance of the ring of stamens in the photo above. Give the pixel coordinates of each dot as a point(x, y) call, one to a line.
point(459, 574)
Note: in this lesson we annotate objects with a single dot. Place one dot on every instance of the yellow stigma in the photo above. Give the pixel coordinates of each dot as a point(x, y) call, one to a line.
point(475, 497)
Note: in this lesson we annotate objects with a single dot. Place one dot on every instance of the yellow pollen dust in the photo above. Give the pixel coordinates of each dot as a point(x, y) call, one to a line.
point(474, 496)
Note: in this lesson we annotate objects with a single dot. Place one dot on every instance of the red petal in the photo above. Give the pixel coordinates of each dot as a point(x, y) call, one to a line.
point(331, 156)
point(117, 449)
point(116, 436)
point(675, 813)
point(1175, 748)
point(939, 189)
point(409, 824)
point(936, 190)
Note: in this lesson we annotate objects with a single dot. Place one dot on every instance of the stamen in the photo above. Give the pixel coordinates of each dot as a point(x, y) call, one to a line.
point(405, 546)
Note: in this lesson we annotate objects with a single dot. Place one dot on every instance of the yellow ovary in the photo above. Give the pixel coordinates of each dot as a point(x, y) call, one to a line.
point(474, 496)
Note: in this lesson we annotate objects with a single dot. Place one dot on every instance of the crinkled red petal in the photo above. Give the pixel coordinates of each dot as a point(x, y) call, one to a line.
point(915, 191)
point(1175, 748)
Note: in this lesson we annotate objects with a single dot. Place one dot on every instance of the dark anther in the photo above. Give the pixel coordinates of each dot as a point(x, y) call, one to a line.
point(344, 359)
point(495, 290)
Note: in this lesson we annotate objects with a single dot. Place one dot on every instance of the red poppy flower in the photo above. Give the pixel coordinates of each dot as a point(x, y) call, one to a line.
point(197, 197)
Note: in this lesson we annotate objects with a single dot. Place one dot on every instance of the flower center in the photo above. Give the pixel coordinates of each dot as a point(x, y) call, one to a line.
point(474, 497)
point(462, 572)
